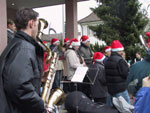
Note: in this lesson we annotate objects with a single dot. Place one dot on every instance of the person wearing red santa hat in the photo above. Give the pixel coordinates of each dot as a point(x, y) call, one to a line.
point(73, 60)
point(85, 50)
point(54, 44)
point(96, 72)
point(67, 41)
point(107, 52)
point(117, 71)
point(66, 44)
point(60, 67)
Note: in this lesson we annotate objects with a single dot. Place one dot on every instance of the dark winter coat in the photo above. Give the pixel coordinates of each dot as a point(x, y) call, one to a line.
point(139, 71)
point(86, 53)
point(10, 35)
point(20, 76)
point(116, 70)
point(96, 76)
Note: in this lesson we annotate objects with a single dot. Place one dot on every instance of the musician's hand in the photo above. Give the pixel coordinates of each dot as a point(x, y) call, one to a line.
point(44, 77)
point(84, 64)
point(48, 111)
point(146, 82)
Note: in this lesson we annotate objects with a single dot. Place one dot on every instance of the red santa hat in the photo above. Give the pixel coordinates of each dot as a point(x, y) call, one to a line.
point(66, 40)
point(148, 34)
point(98, 56)
point(45, 43)
point(106, 49)
point(74, 42)
point(54, 41)
point(85, 39)
point(116, 46)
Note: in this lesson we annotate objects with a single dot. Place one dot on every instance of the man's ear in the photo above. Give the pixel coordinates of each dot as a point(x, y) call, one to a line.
point(31, 23)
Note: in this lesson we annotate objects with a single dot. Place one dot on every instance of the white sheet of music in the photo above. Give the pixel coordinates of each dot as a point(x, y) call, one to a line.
point(79, 74)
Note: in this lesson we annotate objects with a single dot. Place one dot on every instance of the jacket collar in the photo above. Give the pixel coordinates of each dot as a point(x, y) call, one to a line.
point(24, 36)
point(96, 62)
point(83, 45)
point(115, 54)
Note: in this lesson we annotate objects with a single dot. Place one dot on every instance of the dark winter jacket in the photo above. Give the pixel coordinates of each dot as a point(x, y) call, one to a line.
point(106, 58)
point(96, 76)
point(86, 53)
point(20, 76)
point(139, 71)
point(116, 73)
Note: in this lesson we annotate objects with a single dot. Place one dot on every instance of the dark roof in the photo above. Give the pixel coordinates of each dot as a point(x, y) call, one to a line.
point(90, 18)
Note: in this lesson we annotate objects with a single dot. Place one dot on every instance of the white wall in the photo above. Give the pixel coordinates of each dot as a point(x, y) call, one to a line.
point(86, 31)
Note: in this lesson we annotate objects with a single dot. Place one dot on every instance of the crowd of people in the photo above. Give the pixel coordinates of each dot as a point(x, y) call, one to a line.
point(23, 70)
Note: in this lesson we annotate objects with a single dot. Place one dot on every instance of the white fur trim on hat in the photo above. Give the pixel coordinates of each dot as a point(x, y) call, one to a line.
point(75, 44)
point(86, 41)
point(56, 42)
point(100, 60)
point(118, 49)
point(67, 42)
point(107, 50)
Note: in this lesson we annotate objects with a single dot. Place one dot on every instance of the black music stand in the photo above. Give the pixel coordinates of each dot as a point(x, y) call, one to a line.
point(90, 80)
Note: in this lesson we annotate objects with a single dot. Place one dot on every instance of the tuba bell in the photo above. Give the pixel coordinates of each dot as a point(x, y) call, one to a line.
point(50, 97)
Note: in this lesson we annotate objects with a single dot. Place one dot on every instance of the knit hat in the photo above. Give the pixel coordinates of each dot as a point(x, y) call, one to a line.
point(106, 49)
point(98, 56)
point(54, 41)
point(66, 40)
point(74, 42)
point(116, 46)
point(84, 39)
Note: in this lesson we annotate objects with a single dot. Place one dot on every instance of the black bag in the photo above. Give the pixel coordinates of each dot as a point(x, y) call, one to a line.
point(77, 102)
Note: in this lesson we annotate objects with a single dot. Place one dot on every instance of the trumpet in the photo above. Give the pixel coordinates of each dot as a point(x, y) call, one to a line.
point(50, 98)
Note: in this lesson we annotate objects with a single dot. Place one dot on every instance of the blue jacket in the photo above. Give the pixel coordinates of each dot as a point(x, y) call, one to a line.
point(143, 100)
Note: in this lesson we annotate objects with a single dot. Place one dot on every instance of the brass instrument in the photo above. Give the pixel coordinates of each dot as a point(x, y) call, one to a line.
point(144, 42)
point(50, 98)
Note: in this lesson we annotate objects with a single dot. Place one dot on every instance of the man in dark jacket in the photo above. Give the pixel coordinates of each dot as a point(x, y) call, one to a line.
point(21, 67)
point(116, 70)
point(96, 75)
point(107, 53)
point(85, 50)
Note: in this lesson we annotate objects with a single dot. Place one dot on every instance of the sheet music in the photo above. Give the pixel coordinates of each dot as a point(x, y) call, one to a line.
point(79, 74)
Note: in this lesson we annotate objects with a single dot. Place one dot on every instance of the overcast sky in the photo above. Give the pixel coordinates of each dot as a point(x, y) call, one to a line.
point(53, 14)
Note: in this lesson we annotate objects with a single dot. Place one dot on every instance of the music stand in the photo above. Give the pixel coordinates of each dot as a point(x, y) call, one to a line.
point(80, 74)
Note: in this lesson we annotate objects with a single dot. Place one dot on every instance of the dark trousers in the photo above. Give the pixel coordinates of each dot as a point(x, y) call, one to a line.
point(57, 79)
